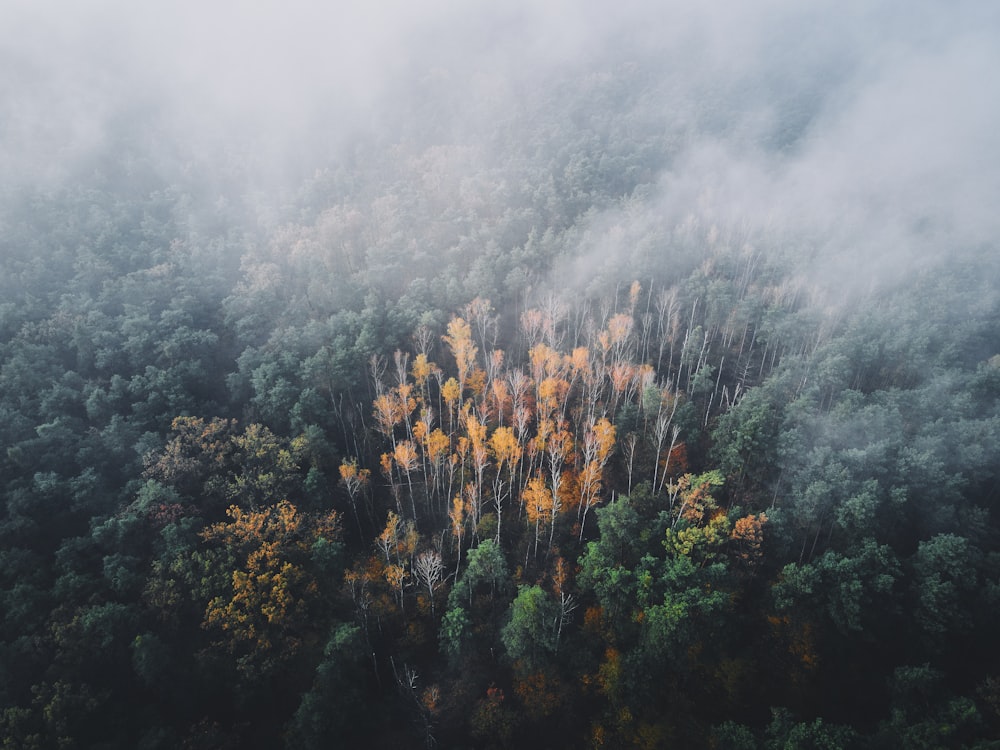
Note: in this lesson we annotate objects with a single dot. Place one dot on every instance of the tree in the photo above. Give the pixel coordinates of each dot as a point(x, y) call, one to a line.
point(945, 577)
point(843, 587)
point(454, 634)
point(567, 602)
point(263, 617)
point(537, 501)
point(334, 709)
point(216, 464)
point(195, 453)
point(598, 442)
point(405, 456)
point(355, 480)
point(746, 439)
point(748, 536)
point(429, 570)
point(607, 566)
point(507, 452)
point(484, 564)
point(784, 733)
point(695, 494)
point(531, 631)
point(459, 341)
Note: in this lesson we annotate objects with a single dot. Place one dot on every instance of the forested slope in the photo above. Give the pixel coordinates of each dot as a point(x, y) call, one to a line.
point(559, 409)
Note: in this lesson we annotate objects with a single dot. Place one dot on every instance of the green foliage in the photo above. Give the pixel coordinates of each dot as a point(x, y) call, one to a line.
point(945, 577)
point(607, 566)
point(150, 659)
point(745, 440)
point(333, 710)
point(454, 634)
point(784, 733)
point(679, 599)
point(734, 736)
point(855, 591)
point(530, 633)
point(484, 565)
point(171, 348)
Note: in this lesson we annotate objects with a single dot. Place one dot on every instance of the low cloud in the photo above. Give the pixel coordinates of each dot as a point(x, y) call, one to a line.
point(869, 129)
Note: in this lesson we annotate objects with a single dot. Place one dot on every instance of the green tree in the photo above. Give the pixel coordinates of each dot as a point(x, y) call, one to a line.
point(334, 710)
point(530, 633)
point(484, 564)
point(454, 634)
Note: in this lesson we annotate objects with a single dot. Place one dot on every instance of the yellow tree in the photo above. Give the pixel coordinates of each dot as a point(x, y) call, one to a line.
point(264, 615)
point(615, 340)
point(748, 536)
point(422, 371)
point(521, 411)
point(499, 404)
point(476, 383)
point(421, 429)
point(459, 341)
point(457, 518)
point(545, 362)
point(398, 543)
point(695, 492)
point(705, 528)
point(507, 453)
point(451, 392)
point(552, 397)
point(436, 445)
point(537, 502)
point(386, 464)
point(405, 456)
point(388, 538)
point(393, 407)
point(386, 413)
point(557, 448)
point(479, 450)
point(395, 576)
point(355, 480)
point(598, 442)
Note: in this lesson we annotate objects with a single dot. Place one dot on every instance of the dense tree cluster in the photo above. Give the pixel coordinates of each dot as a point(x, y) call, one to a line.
point(355, 466)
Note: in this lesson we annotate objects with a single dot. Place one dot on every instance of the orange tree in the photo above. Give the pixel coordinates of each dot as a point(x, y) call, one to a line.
point(263, 615)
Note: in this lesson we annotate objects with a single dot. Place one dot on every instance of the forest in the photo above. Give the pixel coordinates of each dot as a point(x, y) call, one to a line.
point(560, 380)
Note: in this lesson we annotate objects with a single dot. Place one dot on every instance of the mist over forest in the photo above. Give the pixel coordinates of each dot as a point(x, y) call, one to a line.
point(499, 375)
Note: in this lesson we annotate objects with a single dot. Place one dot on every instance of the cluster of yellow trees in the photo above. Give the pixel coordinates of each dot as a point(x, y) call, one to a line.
point(493, 443)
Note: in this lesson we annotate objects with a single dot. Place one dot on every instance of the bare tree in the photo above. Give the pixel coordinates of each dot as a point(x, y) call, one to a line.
point(429, 571)
point(567, 602)
point(628, 449)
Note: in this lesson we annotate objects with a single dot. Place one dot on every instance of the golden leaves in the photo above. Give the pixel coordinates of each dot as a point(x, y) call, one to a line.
point(405, 455)
point(537, 500)
point(459, 341)
point(748, 535)
point(451, 391)
point(505, 447)
point(266, 605)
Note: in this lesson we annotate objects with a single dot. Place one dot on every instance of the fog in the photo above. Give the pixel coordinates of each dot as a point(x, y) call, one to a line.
point(867, 129)
point(758, 242)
